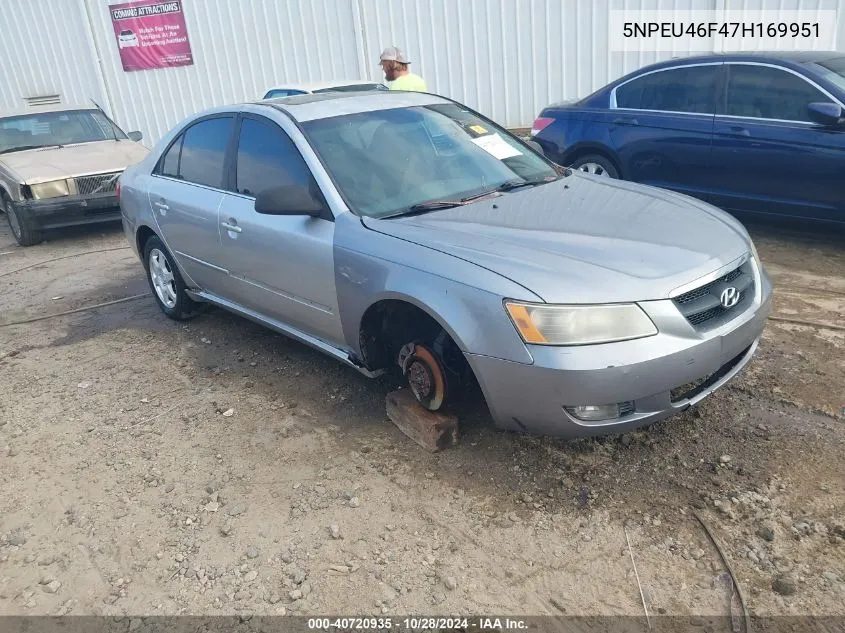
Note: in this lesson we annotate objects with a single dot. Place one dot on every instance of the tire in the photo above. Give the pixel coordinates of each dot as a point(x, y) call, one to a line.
point(596, 164)
point(166, 283)
point(23, 231)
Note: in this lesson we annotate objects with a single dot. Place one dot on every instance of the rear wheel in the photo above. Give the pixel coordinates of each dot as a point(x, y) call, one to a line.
point(166, 283)
point(22, 229)
point(597, 165)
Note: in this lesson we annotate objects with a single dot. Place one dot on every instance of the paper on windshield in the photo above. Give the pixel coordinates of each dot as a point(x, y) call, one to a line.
point(497, 146)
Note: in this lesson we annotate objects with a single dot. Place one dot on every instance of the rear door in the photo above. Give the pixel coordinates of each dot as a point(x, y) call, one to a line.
point(185, 195)
point(279, 266)
point(768, 155)
point(662, 126)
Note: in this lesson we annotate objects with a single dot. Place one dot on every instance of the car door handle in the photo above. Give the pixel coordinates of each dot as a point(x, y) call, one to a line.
point(162, 206)
point(231, 225)
point(738, 129)
point(626, 120)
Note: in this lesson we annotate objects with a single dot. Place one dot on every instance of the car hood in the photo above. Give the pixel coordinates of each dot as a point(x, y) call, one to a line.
point(54, 163)
point(583, 239)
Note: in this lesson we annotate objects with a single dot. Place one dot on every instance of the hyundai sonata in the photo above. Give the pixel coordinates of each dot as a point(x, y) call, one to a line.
point(391, 229)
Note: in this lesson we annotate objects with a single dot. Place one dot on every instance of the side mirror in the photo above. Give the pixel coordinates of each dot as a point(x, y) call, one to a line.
point(536, 147)
point(288, 200)
point(135, 136)
point(825, 113)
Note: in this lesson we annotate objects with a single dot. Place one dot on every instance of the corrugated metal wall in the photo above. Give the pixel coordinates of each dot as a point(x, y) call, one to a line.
point(506, 58)
point(45, 48)
point(240, 48)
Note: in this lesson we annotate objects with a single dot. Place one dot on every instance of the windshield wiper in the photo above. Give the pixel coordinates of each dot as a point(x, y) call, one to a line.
point(435, 205)
point(424, 207)
point(24, 147)
point(510, 185)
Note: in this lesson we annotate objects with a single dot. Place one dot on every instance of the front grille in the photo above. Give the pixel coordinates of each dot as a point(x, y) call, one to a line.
point(702, 306)
point(697, 318)
point(692, 295)
point(99, 183)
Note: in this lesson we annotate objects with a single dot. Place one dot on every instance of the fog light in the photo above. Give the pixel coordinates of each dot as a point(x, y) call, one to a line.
point(595, 412)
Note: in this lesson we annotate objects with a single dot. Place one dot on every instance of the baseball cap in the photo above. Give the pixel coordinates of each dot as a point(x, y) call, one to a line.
point(394, 54)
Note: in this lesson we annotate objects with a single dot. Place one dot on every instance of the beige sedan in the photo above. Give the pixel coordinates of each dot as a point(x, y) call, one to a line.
point(59, 166)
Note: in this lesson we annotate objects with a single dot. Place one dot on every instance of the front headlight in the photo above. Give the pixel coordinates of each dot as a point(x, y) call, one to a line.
point(543, 324)
point(754, 252)
point(758, 272)
point(52, 189)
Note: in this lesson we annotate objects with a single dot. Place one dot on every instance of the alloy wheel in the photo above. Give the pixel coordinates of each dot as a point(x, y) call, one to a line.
point(163, 279)
point(595, 169)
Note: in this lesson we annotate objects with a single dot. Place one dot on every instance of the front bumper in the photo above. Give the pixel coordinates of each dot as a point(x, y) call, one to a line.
point(643, 372)
point(53, 213)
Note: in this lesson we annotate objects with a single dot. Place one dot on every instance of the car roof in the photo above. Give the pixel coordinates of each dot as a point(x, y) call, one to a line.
point(322, 85)
point(795, 57)
point(57, 107)
point(330, 104)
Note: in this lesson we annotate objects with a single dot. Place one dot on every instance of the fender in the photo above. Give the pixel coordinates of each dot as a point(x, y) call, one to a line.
point(470, 310)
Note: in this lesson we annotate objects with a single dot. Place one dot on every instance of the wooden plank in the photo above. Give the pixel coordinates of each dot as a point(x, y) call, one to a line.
point(432, 431)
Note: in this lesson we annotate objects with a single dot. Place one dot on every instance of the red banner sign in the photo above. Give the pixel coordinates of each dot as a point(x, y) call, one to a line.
point(151, 34)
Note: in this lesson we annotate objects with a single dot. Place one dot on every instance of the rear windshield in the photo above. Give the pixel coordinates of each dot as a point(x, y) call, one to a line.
point(48, 129)
point(834, 71)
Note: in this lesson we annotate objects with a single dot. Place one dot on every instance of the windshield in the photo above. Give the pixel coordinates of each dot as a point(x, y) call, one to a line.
point(48, 129)
point(389, 160)
point(834, 71)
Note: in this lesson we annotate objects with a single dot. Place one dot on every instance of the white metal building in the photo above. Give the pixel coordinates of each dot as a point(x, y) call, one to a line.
point(506, 58)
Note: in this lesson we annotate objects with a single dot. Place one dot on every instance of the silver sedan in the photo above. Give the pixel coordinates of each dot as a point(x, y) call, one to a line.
point(404, 230)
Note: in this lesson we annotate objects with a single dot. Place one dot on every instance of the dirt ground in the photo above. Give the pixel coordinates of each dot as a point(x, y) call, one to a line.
point(149, 467)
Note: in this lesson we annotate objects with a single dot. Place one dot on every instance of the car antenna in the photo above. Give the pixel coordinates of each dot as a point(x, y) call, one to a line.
point(113, 133)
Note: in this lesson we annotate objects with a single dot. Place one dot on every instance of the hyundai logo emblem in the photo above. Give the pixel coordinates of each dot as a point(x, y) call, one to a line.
point(729, 298)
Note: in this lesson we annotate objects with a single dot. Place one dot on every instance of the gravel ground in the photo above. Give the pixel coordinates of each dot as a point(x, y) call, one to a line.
point(149, 467)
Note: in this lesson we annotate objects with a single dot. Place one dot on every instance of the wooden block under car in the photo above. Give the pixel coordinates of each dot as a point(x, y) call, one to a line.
point(433, 431)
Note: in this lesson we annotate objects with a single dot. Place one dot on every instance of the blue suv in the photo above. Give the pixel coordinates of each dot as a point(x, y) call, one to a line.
point(751, 132)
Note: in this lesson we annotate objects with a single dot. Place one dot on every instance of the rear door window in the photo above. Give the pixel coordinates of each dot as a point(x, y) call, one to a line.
point(169, 164)
point(204, 151)
point(686, 89)
point(763, 92)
